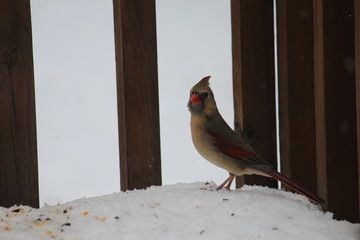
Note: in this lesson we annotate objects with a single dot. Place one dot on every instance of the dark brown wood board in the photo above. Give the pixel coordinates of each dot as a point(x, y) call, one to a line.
point(296, 91)
point(137, 89)
point(335, 100)
point(18, 147)
point(254, 78)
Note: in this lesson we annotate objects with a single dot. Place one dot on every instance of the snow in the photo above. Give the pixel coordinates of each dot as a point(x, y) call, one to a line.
point(180, 211)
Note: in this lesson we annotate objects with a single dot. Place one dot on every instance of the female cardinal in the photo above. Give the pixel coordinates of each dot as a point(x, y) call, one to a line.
point(219, 144)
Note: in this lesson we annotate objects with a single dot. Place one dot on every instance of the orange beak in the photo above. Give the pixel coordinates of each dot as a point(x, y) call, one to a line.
point(195, 99)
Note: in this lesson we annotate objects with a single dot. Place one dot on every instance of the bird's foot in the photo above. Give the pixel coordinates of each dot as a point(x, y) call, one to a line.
point(228, 181)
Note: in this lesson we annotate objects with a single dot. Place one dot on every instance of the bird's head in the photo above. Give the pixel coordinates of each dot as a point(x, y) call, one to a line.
point(201, 99)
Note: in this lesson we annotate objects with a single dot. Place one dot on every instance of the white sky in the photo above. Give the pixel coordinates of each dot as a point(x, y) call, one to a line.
point(76, 91)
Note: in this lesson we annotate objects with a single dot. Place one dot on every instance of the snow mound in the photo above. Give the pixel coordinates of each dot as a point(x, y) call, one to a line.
point(180, 211)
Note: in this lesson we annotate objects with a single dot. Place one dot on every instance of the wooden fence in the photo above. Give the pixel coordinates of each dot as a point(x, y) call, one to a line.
point(318, 44)
point(18, 154)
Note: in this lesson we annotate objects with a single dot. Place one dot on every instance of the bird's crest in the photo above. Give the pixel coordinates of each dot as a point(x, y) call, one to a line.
point(205, 80)
point(202, 84)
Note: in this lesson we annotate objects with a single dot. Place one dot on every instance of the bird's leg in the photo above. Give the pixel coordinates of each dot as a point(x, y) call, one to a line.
point(232, 177)
point(229, 180)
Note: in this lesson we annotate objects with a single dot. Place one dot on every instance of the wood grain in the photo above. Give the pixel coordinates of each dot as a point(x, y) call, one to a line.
point(254, 78)
point(138, 101)
point(18, 147)
point(335, 92)
point(296, 92)
point(357, 73)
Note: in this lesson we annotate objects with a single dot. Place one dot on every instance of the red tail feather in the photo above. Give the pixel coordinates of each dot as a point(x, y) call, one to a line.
point(294, 186)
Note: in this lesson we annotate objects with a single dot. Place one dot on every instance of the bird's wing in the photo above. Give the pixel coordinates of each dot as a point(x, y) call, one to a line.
point(233, 144)
point(241, 151)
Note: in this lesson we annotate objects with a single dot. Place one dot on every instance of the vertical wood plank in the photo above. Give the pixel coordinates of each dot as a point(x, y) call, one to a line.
point(320, 100)
point(138, 107)
point(296, 91)
point(18, 154)
point(336, 119)
point(254, 78)
point(357, 73)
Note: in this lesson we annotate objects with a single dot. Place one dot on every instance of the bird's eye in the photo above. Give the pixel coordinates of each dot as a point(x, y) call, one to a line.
point(205, 94)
